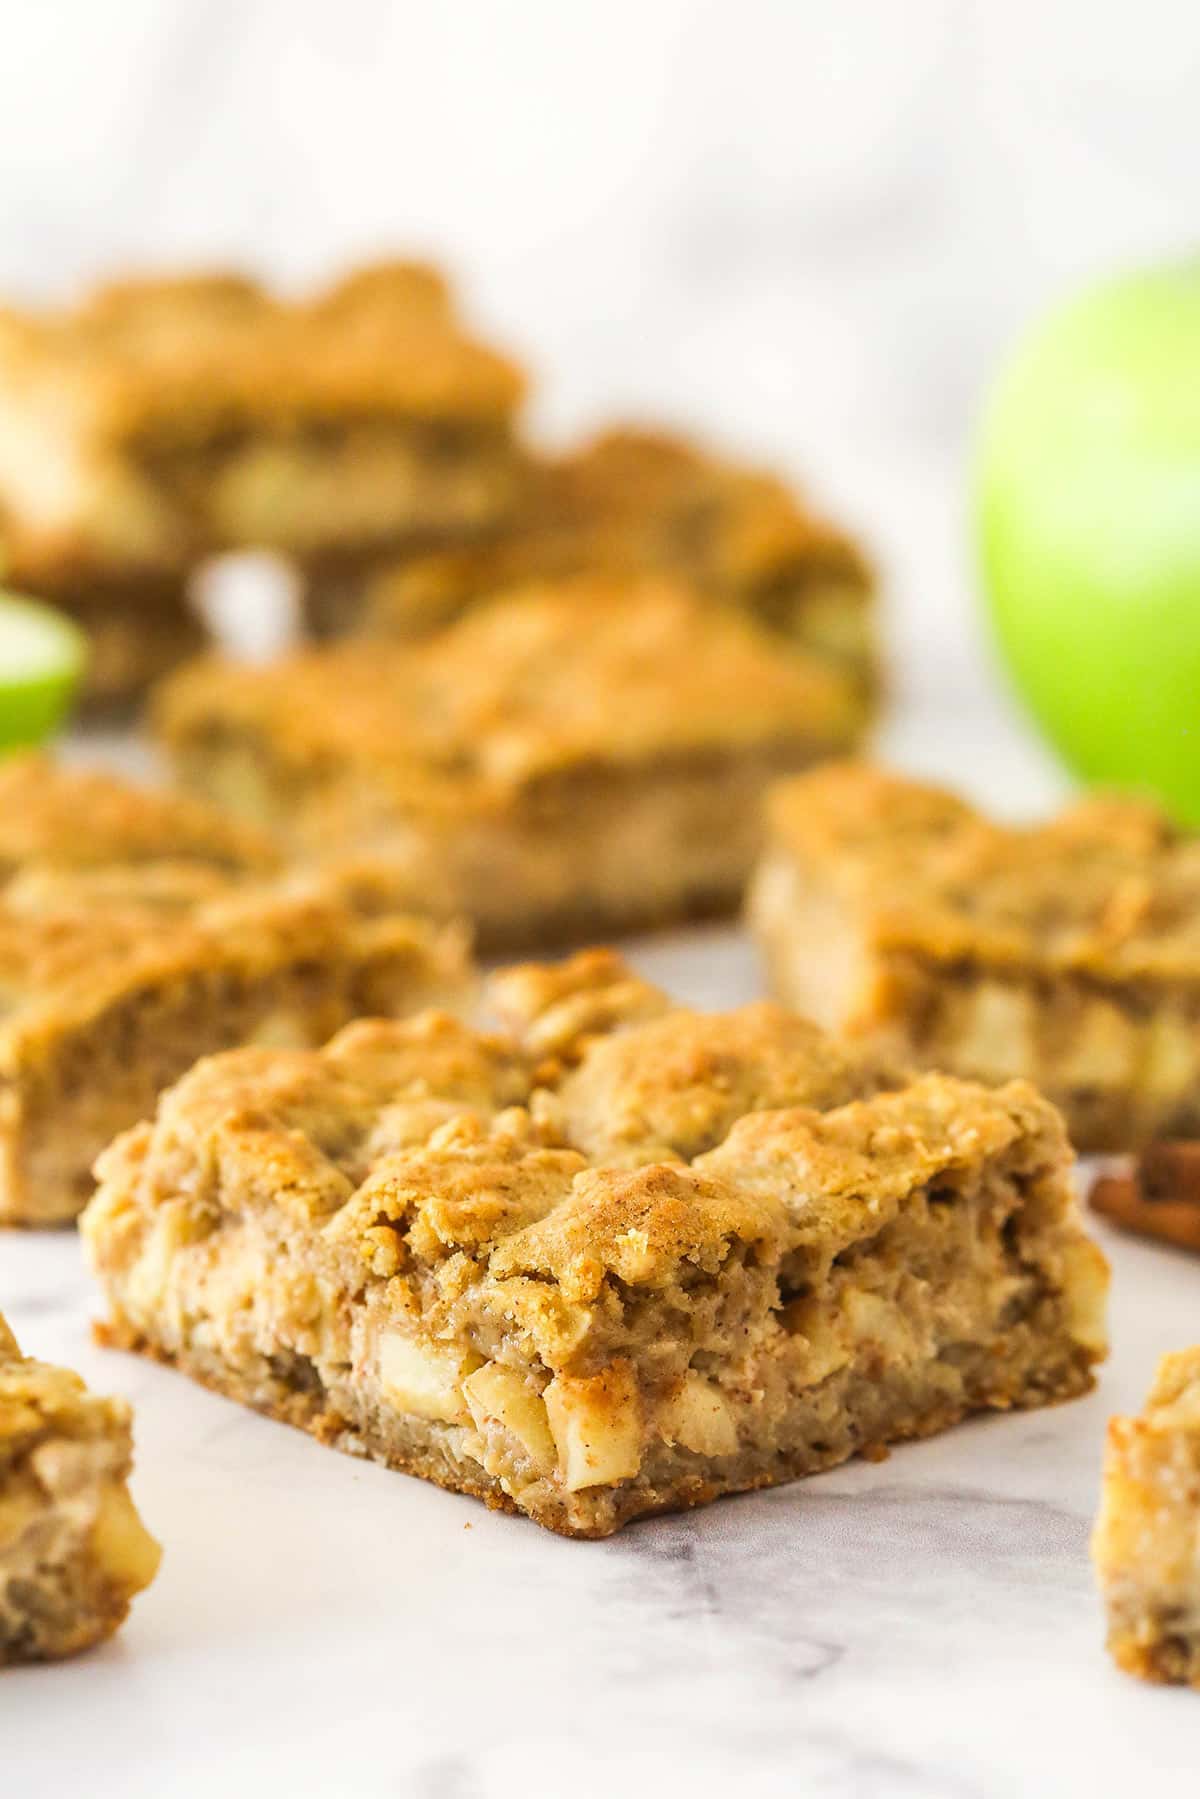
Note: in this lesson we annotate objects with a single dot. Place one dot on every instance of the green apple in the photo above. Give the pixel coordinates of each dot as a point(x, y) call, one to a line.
point(1088, 510)
point(41, 659)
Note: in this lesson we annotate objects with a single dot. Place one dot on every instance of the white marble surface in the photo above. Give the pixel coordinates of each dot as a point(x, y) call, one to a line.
point(925, 1627)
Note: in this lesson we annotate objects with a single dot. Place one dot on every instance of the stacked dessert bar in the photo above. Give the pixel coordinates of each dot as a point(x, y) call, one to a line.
point(163, 421)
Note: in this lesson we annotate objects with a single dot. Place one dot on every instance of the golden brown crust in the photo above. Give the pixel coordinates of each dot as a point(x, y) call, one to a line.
point(167, 419)
point(571, 675)
point(555, 1008)
point(64, 818)
point(1067, 952)
point(73, 1552)
point(677, 1084)
point(742, 526)
point(582, 758)
point(633, 501)
point(64, 965)
point(139, 929)
point(1108, 887)
point(200, 353)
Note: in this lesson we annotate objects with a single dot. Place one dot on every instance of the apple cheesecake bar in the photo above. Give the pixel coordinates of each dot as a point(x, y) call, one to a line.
point(634, 499)
point(586, 756)
point(73, 1550)
point(1067, 952)
point(610, 1258)
point(1146, 1544)
point(139, 931)
point(163, 420)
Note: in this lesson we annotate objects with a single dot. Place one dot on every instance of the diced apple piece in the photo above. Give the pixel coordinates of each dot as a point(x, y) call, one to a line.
point(122, 1544)
point(1104, 1050)
point(424, 1378)
point(698, 1415)
point(497, 1393)
point(873, 1319)
point(997, 1035)
point(597, 1426)
point(1171, 1053)
point(1085, 1283)
point(828, 1349)
point(152, 1272)
point(281, 1028)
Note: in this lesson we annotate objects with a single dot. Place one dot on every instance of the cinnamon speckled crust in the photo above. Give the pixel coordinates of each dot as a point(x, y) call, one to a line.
point(1146, 1545)
point(76, 818)
point(635, 499)
point(139, 930)
point(1066, 952)
point(588, 753)
point(614, 1258)
point(183, 355)
point(73, 1551)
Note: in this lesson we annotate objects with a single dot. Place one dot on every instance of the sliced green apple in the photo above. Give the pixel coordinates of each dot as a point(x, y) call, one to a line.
point(42, 656)
point(1088, 508)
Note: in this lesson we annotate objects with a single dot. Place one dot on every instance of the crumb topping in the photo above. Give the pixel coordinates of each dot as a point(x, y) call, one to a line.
point(646, 1142)
point(1108, 886)
point(590, 673)
point(108, 889)
point(144, 360)
point(634, 499)
point(72, 819)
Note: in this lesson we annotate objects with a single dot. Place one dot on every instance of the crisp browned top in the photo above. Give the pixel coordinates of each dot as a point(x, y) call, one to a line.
point(37, 1399)
point(1109, 886)
point(734, 524)
point(654, 1135)
point(105, 886)
point(597, 671)
point(176, 359)
point(627, 500)
point(1174, 1401)
point(62, 818)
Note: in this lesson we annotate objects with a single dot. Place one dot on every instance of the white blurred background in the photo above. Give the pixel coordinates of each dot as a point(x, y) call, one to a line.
point(809, 229)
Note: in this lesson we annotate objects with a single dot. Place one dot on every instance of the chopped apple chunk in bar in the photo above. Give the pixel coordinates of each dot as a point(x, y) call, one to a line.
point(141, 930)
point(1065, 953)
point(73, 1550)
point(1146, 1544)
point(611, 1258)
